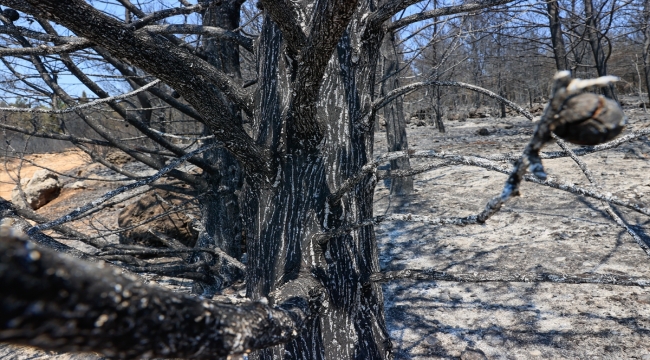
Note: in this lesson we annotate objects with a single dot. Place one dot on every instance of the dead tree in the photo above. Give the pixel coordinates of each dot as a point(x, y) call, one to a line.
point(557, 39)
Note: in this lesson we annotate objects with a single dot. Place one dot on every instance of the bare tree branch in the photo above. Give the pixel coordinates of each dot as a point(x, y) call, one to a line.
point(450, 10)
point(608, 208)
point(214, 31)
point(481, 277)
point(82, 106)
point(379, 103)
point(55, 303)
point(46, 50)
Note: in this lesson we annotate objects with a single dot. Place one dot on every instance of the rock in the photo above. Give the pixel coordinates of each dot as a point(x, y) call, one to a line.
point(454, 116)
point(482, 112)
point(483, 132)
point(420, 123)
point(43, 187)
point(118, 157)
point(78, 185)
point(176, 225)
point(536, 109)
point(473, 354)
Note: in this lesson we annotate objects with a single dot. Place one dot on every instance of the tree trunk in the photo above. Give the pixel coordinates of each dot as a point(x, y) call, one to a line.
point(394, 116)
point(281, 236)
point(220, 213)
point(646, 45)
point(559, 51)
point(439, 111)
point(597, 47)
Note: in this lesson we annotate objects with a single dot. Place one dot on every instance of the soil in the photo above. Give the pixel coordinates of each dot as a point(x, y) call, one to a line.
point(543, 230)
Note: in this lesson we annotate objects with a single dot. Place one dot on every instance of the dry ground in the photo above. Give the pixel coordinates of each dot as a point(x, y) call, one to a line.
point(544, 230)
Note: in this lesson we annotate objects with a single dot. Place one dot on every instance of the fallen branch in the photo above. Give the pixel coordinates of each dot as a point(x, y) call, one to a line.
point(481, 277)
point(608, 208)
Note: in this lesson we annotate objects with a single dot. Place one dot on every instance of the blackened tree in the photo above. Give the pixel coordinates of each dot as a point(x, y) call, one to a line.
point(289, 148)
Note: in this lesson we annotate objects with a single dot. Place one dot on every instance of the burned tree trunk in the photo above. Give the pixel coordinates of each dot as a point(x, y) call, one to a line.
point(282, 238)
point(394, 117)
point(591, 29)
point(559, 51)
point(221, 224)
point(646, 45)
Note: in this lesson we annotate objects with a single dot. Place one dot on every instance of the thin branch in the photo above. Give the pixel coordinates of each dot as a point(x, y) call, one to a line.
point(213, 31)
point(481, 277)
point(214, 251)
point(46, 50)
point(171, 252)
point(82, 106)
point(379, 103)
point(449, 10)
point(608, 208)
point(159, 15)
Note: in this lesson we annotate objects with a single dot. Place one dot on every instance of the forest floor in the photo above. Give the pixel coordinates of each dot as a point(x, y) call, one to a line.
point(543, 230)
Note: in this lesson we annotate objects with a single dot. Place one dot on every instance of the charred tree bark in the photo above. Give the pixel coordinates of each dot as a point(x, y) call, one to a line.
point(220, 211)
point(559, 51)
point(646, 45)
point(285, 223)
point(394, 117)
point(591, 29)
point(60, 303)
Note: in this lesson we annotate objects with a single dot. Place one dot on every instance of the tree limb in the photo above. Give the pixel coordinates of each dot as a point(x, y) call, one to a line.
point(449, 10)
point(59, 303)
point(214, 31)
point(514, 277)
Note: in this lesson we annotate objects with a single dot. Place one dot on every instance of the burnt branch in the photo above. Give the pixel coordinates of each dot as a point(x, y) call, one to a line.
point(379, 103)
point(46, 50)
point(81, 106)
point(59, 303)
point(481, 277)
point(449, 10)
point(200, 83)
point(11, 218)
point(608, 208)
point(330, 20)
point(578, 151)
point(212, 31)
point(288, 16)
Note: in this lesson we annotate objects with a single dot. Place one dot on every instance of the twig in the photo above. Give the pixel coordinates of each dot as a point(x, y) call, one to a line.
point(608, 208)
point(480, 277)
point(579, 151)
point(82, 106)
